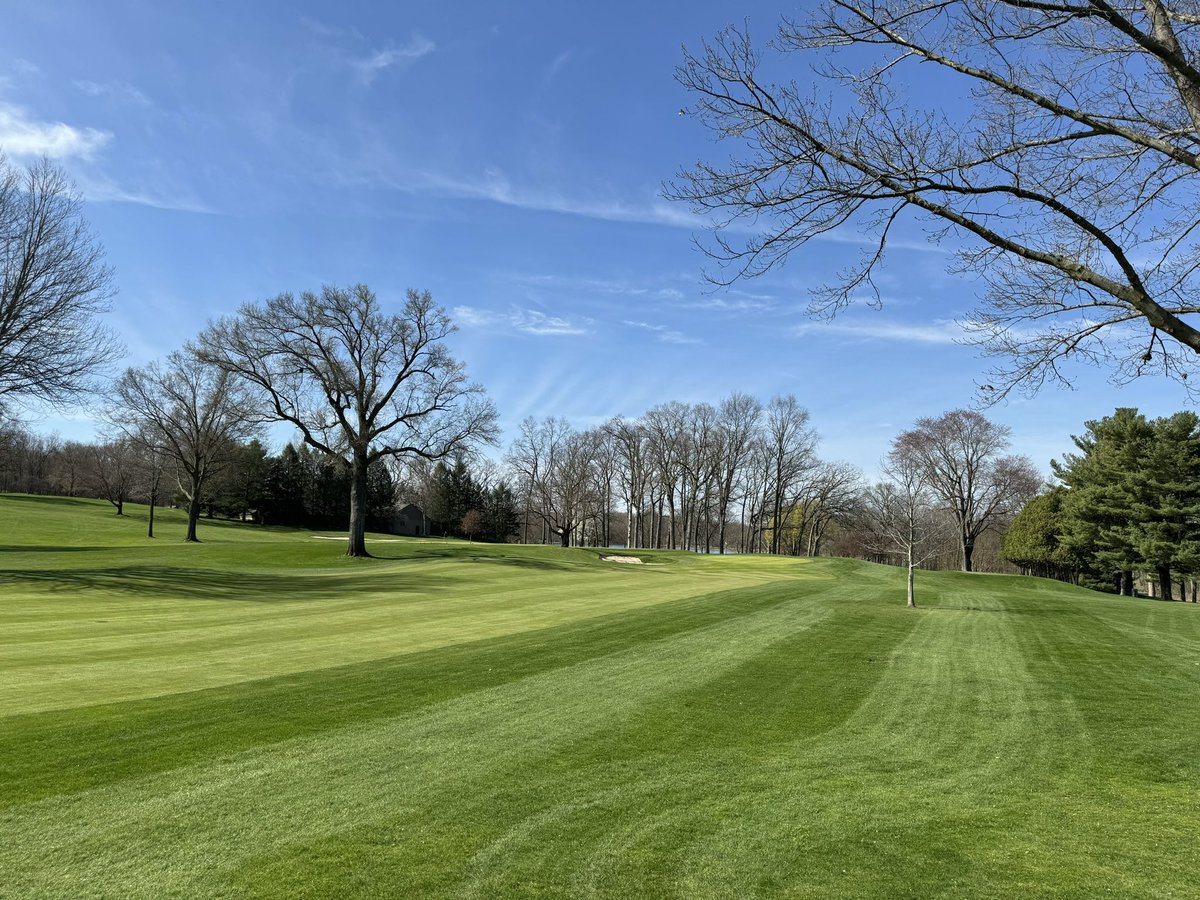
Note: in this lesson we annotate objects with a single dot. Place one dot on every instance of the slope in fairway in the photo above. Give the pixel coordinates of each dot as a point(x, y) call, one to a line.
point(258, 716)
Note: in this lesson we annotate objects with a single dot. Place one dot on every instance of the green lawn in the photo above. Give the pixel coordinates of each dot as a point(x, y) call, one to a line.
point(259, 716)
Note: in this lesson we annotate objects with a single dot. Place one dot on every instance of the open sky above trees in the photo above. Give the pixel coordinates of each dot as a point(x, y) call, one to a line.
point(510, 161)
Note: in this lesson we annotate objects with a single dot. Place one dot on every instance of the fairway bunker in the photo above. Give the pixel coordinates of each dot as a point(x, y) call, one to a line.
point(628, 560)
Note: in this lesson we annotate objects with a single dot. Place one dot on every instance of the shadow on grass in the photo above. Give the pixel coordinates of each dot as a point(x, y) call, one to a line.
point(469, 554)
point(43, 548)
point(171, 582)
point(39, 500)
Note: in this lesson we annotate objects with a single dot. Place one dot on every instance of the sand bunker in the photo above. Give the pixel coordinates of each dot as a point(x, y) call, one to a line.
point(632, 560)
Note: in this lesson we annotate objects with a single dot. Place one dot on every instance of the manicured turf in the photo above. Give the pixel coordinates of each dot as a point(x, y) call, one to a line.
point(258, 716)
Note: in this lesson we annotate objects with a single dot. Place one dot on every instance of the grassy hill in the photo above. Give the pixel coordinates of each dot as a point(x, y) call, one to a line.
point(259, 716)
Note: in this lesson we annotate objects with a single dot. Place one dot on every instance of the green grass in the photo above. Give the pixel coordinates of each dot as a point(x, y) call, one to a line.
point(259, 716)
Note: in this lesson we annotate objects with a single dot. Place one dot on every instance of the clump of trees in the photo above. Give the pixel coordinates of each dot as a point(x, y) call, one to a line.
point(1129, 503)
point(463, 501)
point(740, 475)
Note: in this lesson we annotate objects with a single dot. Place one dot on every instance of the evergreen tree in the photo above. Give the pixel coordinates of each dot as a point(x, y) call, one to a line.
point(282, 502)
point(1098, 506)
point(500, 517)
point(1134, 496)
point(438, 503)
point(1034, 540)
point(381, 494)
point(1164, 526)
point(464, 495)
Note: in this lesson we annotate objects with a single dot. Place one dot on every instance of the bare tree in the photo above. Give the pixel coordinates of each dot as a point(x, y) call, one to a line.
point(112, 471)
point(739, 416)
point(959, 456)
point(903, 518)
point(555, 463)
point(53, 286)
point(790, 443)
point(150, 469)
point(69, 467)
point(361, 385)
point(833, 493)
point(665, 426)
point(1071, 173)
point(633, 475)
point(190, 412)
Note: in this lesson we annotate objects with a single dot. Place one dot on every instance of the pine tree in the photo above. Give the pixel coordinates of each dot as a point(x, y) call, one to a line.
point(1164, 525)
point(1134, 496)
point(1098, 507)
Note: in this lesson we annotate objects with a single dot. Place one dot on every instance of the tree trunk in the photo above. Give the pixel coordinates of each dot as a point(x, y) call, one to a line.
point(1127, 583)
point(1164, 583)
point(968, 551)
point(566, 536)
point(357, 543)
point(912, 596)
point(193, 513)
point(153, 501)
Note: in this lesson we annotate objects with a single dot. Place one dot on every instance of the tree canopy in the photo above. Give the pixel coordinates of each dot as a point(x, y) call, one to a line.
point(360, 384)
point(54, 284)
point(1068, 167)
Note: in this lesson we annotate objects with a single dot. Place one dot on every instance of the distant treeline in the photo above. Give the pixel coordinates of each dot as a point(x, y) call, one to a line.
point(297, 487)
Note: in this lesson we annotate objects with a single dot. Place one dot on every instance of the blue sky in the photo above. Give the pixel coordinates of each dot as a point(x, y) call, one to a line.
point(507, 157)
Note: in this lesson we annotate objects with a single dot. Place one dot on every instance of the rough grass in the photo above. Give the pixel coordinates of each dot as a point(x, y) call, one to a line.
point(258, 716)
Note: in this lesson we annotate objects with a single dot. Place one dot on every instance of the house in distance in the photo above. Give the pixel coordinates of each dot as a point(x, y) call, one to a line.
point(408, 520)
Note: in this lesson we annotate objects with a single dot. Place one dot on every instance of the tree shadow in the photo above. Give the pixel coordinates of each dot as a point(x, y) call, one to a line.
point(172, 582)
point(39, 500)
point(41, 548)
point(466, 554)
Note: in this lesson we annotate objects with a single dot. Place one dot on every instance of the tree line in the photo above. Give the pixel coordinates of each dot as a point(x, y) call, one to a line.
point(739, 475)
point(1127, 505)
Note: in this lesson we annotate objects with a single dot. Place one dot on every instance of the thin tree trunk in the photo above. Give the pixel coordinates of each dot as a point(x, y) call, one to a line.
point(968, 552)
point(153, 501)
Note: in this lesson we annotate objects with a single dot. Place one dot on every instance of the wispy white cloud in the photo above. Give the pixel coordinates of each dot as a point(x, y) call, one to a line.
point(119, 91)
point(101, 189)
point(377, 62)
point(664, 334)
point(556, 65)
point(727, 304)
point(524, 320)
point(21, 135)
point(495, 187)
point(939, 331)
point(842, 236)
point(581, 284)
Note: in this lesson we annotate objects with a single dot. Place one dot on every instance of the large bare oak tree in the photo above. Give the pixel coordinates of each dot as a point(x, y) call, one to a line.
point(1068, 163)
point(53, 286)
point(360, 384)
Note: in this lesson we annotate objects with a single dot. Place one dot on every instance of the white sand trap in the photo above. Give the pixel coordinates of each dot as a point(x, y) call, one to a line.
point(631, 560)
